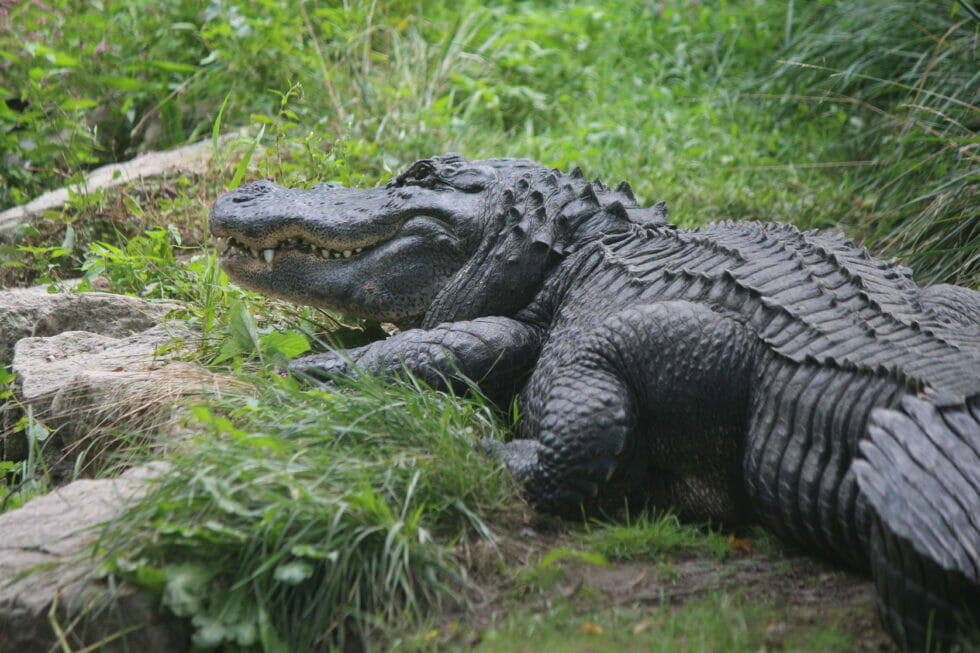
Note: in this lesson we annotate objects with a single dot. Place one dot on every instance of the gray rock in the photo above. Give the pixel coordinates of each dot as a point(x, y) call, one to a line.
point(26, 312)
point(82, 386)
point(44, 365)
point(49, 580)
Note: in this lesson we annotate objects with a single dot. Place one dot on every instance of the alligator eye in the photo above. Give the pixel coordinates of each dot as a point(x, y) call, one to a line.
point(421, 174)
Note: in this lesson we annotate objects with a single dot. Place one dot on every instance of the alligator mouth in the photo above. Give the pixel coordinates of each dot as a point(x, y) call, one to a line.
point(295, 245)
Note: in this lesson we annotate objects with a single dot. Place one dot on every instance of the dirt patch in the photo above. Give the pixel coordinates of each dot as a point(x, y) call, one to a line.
point(803, 591)
point(810, 589)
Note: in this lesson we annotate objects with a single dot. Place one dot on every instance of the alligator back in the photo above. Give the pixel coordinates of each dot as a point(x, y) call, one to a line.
point(810, 297)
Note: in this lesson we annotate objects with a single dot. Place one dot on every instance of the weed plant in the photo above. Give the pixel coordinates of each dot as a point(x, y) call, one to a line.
point(21, 480)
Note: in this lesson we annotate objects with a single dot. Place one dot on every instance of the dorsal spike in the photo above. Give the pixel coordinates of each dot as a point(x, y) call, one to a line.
point(588, 193)
point(625, 189)
point(577, 173)
point(617, 210)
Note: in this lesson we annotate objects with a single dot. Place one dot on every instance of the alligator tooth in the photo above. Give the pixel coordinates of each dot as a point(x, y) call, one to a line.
point(347, 253)
point(268, 254)
point(255, 252)
point(358, 250)
point(325, 253)
point(335, 254)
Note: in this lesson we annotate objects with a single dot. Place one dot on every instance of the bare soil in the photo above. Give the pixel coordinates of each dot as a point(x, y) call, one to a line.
point(806, 590)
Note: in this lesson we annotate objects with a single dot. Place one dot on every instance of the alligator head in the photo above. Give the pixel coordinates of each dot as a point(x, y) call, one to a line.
point(448, 239)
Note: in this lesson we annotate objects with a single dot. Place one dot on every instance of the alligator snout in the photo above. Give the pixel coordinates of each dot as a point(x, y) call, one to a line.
point(381, 253)
point(332, 220)
point(245, 205)
point(261, 211)
point(251, 211)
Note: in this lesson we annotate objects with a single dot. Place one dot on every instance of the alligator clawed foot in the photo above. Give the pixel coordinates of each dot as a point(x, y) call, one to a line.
point(320, 368)
point(490, 448)
point(520, 456)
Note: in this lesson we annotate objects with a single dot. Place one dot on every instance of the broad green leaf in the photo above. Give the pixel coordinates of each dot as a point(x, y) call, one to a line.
point(123, 83)
point(242, 328)
point(287, 343)
point(172, 66)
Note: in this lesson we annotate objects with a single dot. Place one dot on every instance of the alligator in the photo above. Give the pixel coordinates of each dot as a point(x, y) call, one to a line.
point(740, 372)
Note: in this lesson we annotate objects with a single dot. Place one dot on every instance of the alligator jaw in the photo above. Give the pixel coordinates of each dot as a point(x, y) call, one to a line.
point(269, 251)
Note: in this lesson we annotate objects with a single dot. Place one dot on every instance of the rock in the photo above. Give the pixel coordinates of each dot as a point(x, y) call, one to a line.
point(45, 365)
point(48, 576)
point(35, 312)
point(83, 385)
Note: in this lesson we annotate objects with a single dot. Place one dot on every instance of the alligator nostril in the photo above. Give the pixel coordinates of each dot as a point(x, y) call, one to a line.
point(250, 192)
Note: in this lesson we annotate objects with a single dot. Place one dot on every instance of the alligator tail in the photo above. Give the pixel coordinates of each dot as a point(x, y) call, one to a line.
point(920, 471)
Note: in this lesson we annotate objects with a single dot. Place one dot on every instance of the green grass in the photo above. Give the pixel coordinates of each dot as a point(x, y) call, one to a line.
point(652, 536)
point(717, 622)
point(907, 78)
point(311, 517)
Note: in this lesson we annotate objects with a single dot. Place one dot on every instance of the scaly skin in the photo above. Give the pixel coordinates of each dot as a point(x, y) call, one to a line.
point(739, 372)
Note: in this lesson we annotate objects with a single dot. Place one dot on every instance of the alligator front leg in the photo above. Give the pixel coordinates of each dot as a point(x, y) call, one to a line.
point(495, 352)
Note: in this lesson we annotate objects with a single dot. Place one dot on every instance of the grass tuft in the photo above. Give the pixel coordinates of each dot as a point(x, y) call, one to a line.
point(906, 75)
point(653, 535)
point(314, 518)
